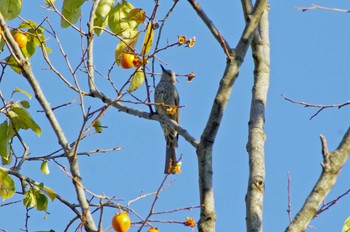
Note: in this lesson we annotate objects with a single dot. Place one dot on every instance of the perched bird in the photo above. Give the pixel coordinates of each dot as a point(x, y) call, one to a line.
point(167, 102)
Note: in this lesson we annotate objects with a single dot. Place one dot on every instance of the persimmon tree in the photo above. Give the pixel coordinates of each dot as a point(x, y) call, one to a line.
point(140, 42)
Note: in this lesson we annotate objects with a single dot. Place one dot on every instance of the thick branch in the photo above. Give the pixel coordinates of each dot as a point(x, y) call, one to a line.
point(256, 137)
point(27, 72)
point(204, 151)
point(333, 162)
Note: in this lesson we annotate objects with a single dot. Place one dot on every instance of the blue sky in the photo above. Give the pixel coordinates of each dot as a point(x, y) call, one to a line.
point(308, 63)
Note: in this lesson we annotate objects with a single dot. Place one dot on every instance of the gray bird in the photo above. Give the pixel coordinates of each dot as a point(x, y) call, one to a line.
point(167, 100)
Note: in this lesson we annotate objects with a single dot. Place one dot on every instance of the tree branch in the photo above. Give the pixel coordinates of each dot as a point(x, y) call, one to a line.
point(321, 107)
point(204, 150)
point(314, 7)
point(27, 72)
point(331, 166)
point(90, 47)
point(217, 35)
point(256, 135)
point(146, 115)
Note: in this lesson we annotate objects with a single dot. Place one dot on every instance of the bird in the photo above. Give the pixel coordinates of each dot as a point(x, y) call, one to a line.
point(167, 102)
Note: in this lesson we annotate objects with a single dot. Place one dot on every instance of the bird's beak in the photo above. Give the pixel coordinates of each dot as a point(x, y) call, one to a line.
point(163, 68)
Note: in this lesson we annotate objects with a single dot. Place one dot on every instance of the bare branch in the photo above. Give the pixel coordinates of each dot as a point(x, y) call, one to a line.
point(321, 107)
point(256, 135)
point(331, 203)
point(331, 166)
point(314, 7)
point(204, 150)
point(217, 35)
point(325, 152)
point(289, 207)
point(90, 48)
point(161, 187)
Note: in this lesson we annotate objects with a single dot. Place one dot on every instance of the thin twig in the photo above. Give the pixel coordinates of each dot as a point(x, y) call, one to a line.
point(321, 107)
point(215, 32)
point(161, 187)
point(331, 203)
point(289, 199)
point(314, 7)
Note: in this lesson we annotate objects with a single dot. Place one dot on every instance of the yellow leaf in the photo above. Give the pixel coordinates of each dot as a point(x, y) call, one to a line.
point(7, 186)
point(50, 193)
point(18, 90)
point(138, 15)
point(346, 226)
point(148, 40)
point(98, 126)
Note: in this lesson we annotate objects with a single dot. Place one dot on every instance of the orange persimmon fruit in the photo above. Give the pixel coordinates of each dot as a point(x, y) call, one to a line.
point(121, 222)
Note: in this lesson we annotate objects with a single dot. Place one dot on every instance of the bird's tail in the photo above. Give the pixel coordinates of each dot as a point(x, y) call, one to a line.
point(170, 160)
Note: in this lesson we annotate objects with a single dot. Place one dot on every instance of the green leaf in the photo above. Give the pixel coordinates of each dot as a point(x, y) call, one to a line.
point(7, 186)
point(44, 168)
point(101, 15)
point(41, 200)
point(25, 104)
point(148, 40)
point(29, 49)
point(22, 119)
point(71, 11)
point(36, 38)
point(17, 90)
point(72, 5)
point(48, 50)
point(29, 199)
point(346, 226)
point(71, 16)
point(50, 193)
point(116, 21)
point(137, 79)
point(13, 64)
point(30, 24)
point(97, 126)
point(35, 198)
point(10, 9)
point(5, 138)
point(2, 43)
point(40, 186)
point(6, 160)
